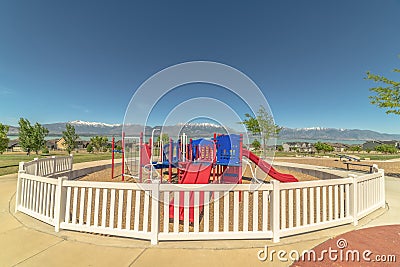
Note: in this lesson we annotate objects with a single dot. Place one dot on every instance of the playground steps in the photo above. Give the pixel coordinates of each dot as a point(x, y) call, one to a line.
point(231, 175)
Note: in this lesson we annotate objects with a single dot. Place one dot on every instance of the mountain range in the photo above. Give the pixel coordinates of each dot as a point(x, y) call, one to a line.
point(84, 128)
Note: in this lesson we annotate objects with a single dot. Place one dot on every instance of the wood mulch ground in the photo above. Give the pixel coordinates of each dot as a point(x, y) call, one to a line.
point(105, 176)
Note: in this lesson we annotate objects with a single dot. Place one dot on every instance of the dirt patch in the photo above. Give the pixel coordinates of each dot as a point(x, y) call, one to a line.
point(105, 175)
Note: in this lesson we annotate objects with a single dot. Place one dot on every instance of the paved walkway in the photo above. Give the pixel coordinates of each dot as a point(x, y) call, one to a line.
point(25, 241)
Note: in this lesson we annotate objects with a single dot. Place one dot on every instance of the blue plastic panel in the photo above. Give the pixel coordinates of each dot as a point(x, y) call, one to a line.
point(228, 150)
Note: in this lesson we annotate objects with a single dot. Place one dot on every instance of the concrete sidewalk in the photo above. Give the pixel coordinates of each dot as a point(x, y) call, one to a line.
point(25, 241)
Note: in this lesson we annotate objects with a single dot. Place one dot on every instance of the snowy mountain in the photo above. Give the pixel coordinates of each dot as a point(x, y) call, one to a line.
point(86, 128)
point(334, 134)
point(94, 124)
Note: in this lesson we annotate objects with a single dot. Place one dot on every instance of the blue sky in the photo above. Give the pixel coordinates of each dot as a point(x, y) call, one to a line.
point(62, 61)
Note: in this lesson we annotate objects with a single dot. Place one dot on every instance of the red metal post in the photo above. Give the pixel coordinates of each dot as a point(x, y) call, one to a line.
point(170, 160)
point(150, 158)
point(112, 157)
point(161, 150)
point(240, 164)
point(123, 156)
point(140, 156)
point(240, 157)
point(214, 156)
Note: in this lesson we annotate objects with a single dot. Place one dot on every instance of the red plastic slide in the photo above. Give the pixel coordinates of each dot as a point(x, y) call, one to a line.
point(267, 168)
point(194, 173)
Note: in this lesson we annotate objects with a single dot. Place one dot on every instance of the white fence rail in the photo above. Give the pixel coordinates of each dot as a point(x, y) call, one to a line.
point(194, 212)
point(37, 196)
point(46, 167)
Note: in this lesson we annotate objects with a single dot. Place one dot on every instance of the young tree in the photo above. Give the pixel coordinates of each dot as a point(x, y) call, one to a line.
point(355, 148)
point(319, 147)
point(38, 137)
point(70, 137)
point(256, 144)
point(323, 147)
point(45, 150)
point(89, 148)
point(263, 124)
point(388, 95)
point(387, 149)
point(328, 148)
point(31, 138)
point(98, 142)
point(3, 137)
point(25, 135)
point(164, 137)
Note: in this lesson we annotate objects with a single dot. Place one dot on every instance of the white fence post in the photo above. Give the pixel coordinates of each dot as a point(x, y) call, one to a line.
point(36, 166)
point(275, 211)
point(54, 164)
point(375, 168)
point(155, 213)
point(354, 200)
point(18, 193)
point(60, 199)
point(382, 187)
point(71, 159)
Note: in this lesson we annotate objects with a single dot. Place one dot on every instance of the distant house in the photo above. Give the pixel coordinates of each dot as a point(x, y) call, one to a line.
point(118, 143)
point(339, 147)
point(60, 144)
point(51, 144)
point(298, 147)
point(371, 145)
point(80, 144)
point(13, 146)
point(392, 143)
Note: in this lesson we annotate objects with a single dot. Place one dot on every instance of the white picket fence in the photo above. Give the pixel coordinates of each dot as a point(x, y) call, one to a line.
point(47, 167)
point(270, 211)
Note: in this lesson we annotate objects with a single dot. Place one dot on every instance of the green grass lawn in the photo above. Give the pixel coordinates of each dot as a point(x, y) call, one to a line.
point(9, 161)
point(379, 156)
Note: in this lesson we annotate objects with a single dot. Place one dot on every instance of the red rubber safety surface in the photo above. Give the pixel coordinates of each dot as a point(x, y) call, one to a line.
point(382, 241)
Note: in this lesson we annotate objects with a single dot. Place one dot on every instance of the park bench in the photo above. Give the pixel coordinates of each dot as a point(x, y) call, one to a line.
point(371, 167)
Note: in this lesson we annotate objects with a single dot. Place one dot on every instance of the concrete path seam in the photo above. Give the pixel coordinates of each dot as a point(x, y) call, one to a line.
point(38, 253)
point(137, 257)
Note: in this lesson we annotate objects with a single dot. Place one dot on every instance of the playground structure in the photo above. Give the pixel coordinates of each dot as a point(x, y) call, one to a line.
point(187, 161)
point(218, 160)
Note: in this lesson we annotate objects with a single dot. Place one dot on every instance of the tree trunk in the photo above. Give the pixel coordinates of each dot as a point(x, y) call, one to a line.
point(264, 147)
